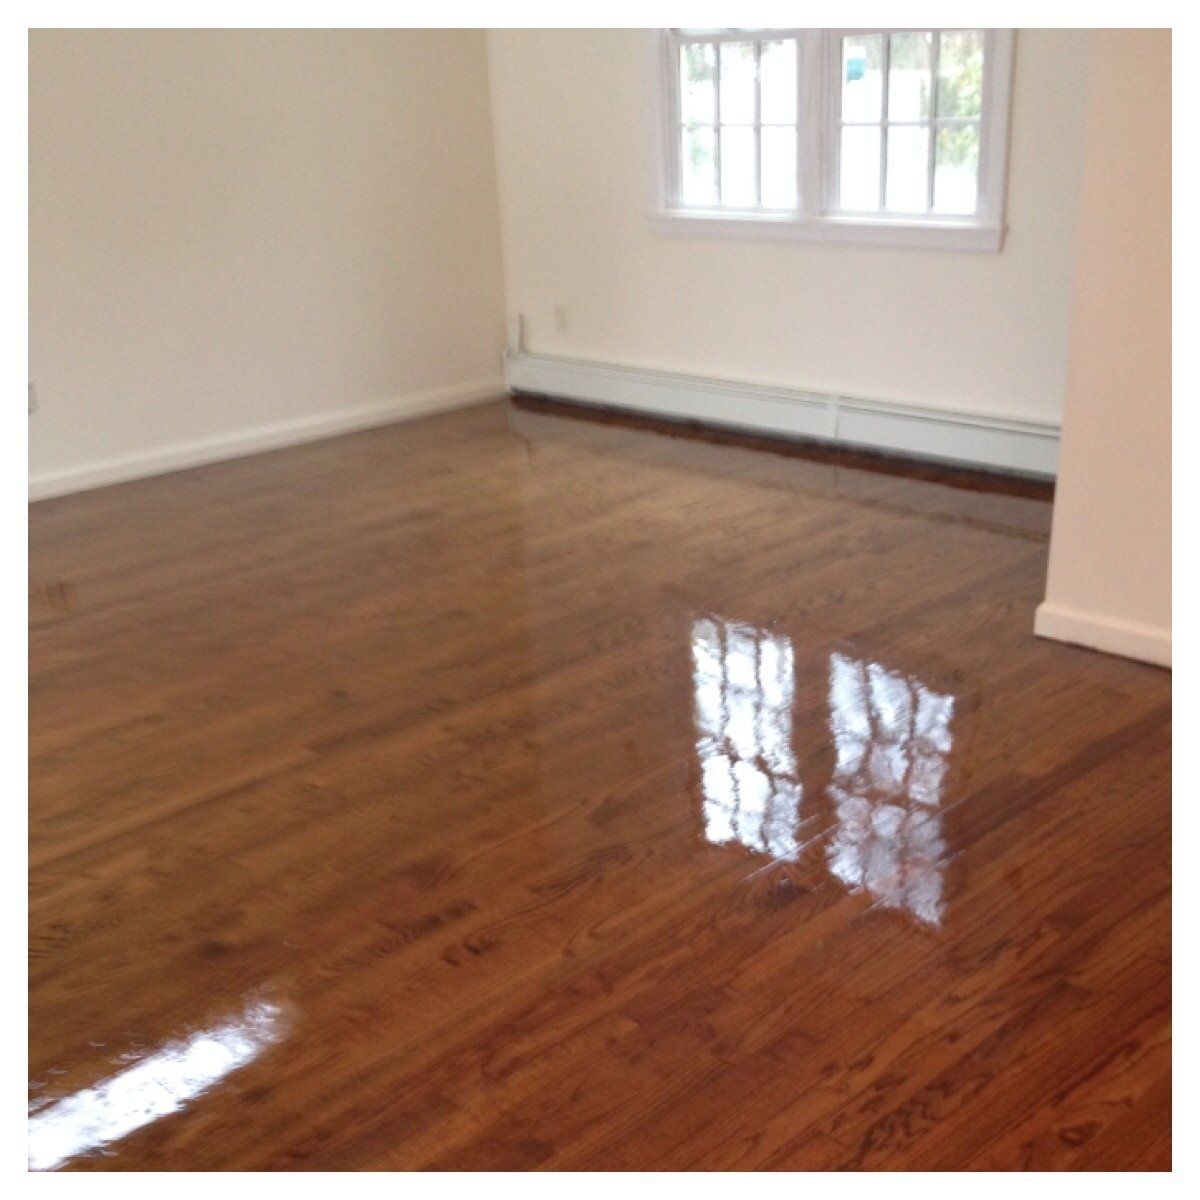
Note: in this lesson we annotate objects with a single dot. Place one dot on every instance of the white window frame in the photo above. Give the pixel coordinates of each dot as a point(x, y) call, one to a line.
point(816, 217)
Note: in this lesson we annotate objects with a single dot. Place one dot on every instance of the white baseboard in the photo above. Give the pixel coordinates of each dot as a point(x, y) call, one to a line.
point(1129, 639)
point(259, 438)
point(976, 439)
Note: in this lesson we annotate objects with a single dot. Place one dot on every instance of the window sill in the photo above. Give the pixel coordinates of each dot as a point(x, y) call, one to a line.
point(861, 231)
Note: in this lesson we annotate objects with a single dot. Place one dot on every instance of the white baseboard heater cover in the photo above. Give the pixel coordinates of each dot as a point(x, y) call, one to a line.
point(972, 439)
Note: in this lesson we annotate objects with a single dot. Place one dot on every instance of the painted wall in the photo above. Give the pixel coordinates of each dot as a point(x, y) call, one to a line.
point(243, 234)
point(1109, 584)
point(985, 332)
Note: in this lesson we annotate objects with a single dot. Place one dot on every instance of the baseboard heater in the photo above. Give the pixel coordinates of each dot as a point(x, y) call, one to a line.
point(965, 438)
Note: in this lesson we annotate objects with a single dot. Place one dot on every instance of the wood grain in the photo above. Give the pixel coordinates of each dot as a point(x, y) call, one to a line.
point(508, 791)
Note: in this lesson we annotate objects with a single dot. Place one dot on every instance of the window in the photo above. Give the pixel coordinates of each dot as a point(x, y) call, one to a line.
point(880, 136)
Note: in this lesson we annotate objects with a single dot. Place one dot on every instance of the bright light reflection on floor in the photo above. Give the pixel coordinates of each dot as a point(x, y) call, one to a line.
point(159, 1084)
point(892, 738)
point(745, 683)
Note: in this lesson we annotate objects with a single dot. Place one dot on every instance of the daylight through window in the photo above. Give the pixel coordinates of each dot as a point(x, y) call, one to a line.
point(891, 129)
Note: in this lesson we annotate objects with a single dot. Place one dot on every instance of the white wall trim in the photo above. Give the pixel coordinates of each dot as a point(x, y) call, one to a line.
point(259, 438)
point(1130, 639)
point(994, 440)
point(832, 230)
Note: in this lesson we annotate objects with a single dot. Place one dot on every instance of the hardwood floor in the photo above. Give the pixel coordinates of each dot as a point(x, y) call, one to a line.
point(504, 790)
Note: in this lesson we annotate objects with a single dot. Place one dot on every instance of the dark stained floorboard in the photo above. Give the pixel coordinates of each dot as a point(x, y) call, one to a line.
point(506, 790)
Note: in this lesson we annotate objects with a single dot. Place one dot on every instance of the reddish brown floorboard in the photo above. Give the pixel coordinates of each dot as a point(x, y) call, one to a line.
point(504, 791)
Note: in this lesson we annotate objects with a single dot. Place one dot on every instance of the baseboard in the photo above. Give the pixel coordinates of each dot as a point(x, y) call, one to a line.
point(1129, 639)
point(260, 438)
point(977, 439)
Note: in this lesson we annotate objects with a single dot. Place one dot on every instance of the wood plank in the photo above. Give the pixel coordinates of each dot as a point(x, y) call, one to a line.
point(507, 790)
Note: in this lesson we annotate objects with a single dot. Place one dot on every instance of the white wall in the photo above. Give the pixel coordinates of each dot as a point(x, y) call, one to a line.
point(983, 332)
point(1109, 584)
point(239, 237)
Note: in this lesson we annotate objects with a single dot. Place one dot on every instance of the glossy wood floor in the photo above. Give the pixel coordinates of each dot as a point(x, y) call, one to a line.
point(508, 790)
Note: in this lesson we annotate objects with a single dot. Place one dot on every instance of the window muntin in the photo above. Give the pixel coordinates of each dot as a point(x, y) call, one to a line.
point(910, 111)
point(737, 123)
point(839, 133)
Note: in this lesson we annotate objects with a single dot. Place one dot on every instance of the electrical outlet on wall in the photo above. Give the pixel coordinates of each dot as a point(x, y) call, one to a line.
point(33, 400)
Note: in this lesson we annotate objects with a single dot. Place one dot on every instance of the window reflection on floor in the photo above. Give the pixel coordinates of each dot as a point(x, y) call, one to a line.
point(163, 1082)
point(892, 739)
point(745, 685)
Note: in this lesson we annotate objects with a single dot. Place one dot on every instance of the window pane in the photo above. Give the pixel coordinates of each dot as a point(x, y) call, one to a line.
point(739, 188)
point(860, 168)
point(737, 83)
point(778, 73)
point(778, 167)
point(698, 166)
point(862, 77)
point(909, 80)
point(697, 73)
point(956, 169)
point(960, 74)
point(907, 168)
